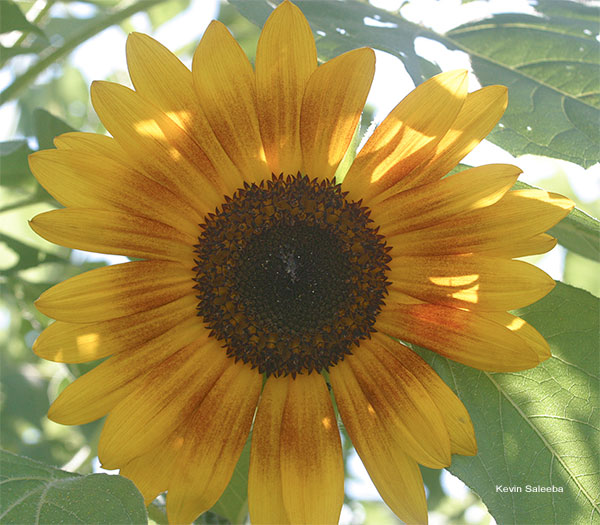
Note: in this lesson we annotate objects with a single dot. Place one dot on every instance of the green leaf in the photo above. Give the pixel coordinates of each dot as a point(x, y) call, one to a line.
point(550, 65)
point(47, 126)
point(32, 492)
point(537, 427)
point(14, 167)
point(13, 19)
point(233, 504)
point(578, 231)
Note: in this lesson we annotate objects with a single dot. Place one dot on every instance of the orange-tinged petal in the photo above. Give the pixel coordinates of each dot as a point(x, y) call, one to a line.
point(87, 180)
point(518, 215)
point(402, 404)
point(470, 281)
point(116, 291)
point(265, 496)
point(395, 474)
point(311, 454)
point(94, 144)
point(408, 136)
point(164, 150)
point(439, 201)
point(285, 57)
point(213, 440)
point(94, 394)
point(225, 83)
point(79, 343)
point(453, 412)
point(331, 109)
point(166, 396)
point(478, 116)
point(113, 232)
point(460, 335)
point(160, 77)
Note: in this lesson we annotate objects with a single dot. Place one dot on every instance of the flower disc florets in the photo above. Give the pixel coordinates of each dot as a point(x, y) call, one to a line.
point(290, 274)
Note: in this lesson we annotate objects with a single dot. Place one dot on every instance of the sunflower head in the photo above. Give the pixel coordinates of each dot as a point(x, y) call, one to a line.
point(266, 285)
point(290, 275)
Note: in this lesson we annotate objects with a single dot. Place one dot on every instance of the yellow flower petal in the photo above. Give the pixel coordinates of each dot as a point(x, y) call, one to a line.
point(94, 394)
point(395, 474)
point(213, 440)
point(110, 185)
point(470, 281)
point(462, 336)
point(113, 232)
point(535, 245)
point(453, 412)
point(518, 215)
point(402, 404)
point(407, 136)
point(285, 57)
point(430, 204)
point(478, 116)
point(116, 291)
point(166, 396)
point(225, 83)
point(152, 471)
point(331, 109)
point(160, 77)
point(79, 343)
point(94, 144)
point(265, 496)
point(311, 453)
point(159, 146)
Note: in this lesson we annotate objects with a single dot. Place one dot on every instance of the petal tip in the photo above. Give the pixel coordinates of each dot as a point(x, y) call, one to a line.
point(33, 160)
point(54, 414)
point(543, 351)
point(469, 448)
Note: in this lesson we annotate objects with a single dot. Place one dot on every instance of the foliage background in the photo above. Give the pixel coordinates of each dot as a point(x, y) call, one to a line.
point(538, 427)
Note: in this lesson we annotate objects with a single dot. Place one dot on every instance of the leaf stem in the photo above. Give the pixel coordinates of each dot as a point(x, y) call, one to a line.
point(31, 74)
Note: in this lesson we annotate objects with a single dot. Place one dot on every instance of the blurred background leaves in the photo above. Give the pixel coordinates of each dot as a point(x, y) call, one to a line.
point(547, 54)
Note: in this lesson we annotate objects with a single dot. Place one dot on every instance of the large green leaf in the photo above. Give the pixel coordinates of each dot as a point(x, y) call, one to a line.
point(548, 62)
point(539, 427)
point(32, 492)
point(550, 65)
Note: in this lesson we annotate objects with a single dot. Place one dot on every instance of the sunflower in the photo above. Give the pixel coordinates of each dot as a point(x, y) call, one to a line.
point(263, 288)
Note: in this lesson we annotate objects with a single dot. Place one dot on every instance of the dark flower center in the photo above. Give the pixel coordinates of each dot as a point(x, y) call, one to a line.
point(290, 275)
